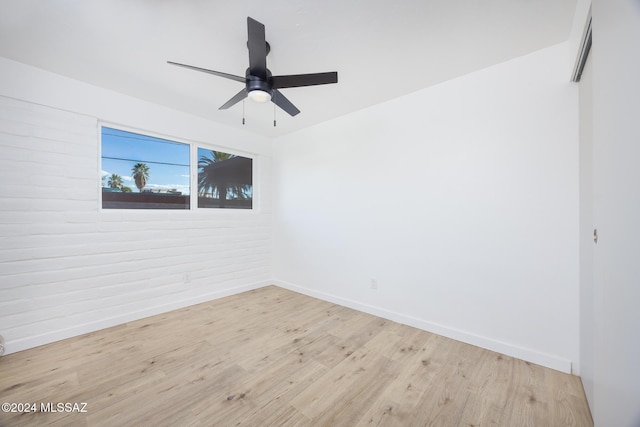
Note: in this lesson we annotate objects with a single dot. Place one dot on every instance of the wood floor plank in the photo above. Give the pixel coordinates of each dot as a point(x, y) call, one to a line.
point(486, 405)
point(354, 400)
point(275, 357)
point(385, 412)
point(420, 368)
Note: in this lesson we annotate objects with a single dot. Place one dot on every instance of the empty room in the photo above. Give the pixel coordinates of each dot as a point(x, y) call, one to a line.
point(340, 213)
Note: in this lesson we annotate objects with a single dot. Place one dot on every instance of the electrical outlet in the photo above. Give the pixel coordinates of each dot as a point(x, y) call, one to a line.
point(186, 278)
point(374, 283)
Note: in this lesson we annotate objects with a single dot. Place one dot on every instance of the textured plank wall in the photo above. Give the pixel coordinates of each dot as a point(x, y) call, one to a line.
point(66, 267)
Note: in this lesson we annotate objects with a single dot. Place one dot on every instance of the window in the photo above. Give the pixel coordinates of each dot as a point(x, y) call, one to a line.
point(143, 172)
point(224, 180)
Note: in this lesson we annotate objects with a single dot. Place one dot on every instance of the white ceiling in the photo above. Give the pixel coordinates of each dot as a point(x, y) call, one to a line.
point(381, 49)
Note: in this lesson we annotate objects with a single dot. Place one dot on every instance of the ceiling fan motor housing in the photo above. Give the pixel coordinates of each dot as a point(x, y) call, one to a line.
point(258, 83)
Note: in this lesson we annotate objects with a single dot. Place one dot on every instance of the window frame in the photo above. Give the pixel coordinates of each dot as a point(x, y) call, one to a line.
point(193, 172)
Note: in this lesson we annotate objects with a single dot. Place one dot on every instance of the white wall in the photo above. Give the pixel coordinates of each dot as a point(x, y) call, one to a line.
point(65, 266)
point(461, 200)
point(615, 317)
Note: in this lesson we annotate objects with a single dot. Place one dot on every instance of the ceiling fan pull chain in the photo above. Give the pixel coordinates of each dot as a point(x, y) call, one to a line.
point(243, 112)
point(274, 108)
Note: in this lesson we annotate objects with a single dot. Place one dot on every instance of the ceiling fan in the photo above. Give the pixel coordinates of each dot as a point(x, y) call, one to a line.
point(260, 85)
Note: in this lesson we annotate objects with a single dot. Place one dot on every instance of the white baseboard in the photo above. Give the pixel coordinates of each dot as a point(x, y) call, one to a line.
point(529, 355)
point(49, 337)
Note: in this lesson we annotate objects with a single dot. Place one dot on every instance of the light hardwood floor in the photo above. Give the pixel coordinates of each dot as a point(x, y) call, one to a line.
point(275, 357)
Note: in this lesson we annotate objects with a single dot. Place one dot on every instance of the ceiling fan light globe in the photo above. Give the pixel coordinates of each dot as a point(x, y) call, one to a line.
point(259, 96)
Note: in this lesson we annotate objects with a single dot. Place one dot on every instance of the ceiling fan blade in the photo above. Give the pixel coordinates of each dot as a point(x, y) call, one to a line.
point(215, 73)
point(257, 45)
point(281, 101)
point(297, 80)
point(236, 98)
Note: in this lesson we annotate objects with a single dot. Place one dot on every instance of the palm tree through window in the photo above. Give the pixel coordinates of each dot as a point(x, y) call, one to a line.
point(224, 180)
point(159, 169)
